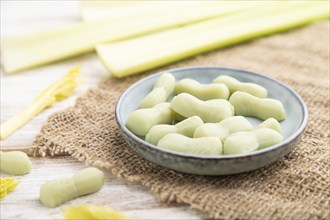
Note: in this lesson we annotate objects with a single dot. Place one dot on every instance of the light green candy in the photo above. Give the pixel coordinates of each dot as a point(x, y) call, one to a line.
point(162, 89)
point(59, 191)
point(248, 105)
point(186, 127)
point(235, 85)
point(247, 141)
point(202, 91)
point(271, 123)
point(199, 146)
point(179, 117)
point(209, 111)
point(140, 121)
point(15, 163)
point(224, 128)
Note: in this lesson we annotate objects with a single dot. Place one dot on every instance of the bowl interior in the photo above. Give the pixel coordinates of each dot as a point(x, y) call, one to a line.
point(296, 112)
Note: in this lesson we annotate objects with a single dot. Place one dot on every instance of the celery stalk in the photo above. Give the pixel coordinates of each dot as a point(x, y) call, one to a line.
point(57, 91)
point(140, 54)
point(19, 53)
point(96, 10)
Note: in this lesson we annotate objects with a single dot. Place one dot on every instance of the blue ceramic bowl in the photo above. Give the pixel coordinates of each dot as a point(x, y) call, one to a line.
point(293, 125)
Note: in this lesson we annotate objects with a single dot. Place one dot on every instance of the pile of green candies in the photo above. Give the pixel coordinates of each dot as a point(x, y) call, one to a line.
point(207, 119)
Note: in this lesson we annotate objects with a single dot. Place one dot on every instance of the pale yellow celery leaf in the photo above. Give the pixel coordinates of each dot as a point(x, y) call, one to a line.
point(3, 193)
point(7, 184)
point(12, 186)
point(92, 212)
point(24, 52)
point(136, 55)
point(57, 91)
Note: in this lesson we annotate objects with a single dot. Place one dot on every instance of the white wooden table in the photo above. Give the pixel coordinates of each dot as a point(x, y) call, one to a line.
point(19, 17)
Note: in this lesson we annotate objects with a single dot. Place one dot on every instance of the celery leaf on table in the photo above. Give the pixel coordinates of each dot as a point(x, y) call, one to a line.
point(57, 91)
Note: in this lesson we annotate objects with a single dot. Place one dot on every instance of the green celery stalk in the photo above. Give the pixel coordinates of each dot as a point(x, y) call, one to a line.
point(24, 52)
point(96, 10)
point(140, 54)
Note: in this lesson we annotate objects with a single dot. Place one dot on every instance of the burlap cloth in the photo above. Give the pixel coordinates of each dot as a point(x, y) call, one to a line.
point(295, 187)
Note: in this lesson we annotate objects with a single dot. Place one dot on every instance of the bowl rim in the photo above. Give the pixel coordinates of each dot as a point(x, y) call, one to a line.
point(283, 143)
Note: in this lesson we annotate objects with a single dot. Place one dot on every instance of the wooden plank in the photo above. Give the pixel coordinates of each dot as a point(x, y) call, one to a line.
point(133, 200)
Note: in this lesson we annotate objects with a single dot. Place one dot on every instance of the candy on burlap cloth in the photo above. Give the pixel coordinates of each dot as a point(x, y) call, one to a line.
point(294, 187)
